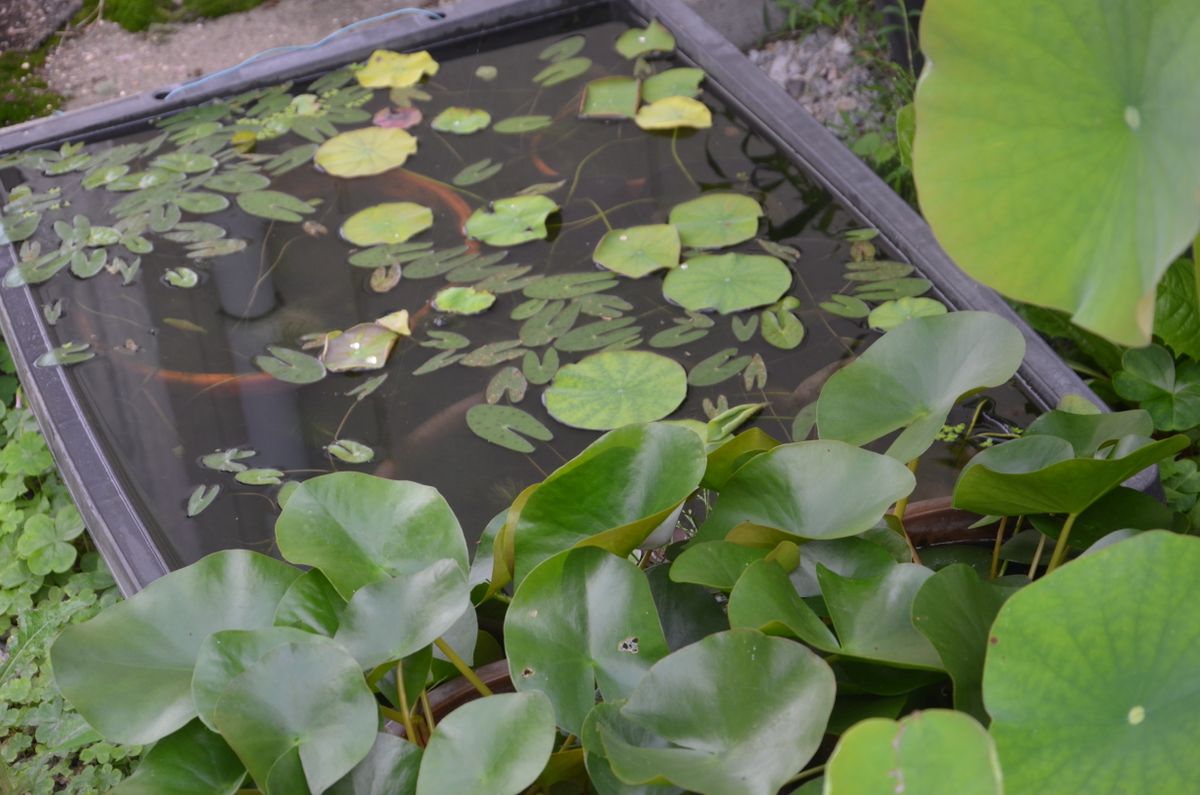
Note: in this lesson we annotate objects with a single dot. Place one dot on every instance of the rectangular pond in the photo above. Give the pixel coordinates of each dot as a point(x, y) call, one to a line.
point(189, 262)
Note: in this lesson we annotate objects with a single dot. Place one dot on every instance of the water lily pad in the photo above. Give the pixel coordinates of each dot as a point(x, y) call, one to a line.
point(562, 71)
point(291, 366)
point(672, 113)
point(716, 220)
point(265, 476)
point(612, 389)
point(365, 346)
point(780, 326)
point(610, 98)
point(229, 460)
point(487, 73)
point(476, 172)
point(511, 221)
point(680, 82)
point(507, 426)
point(65, 354)
point(654, 39)
point(461, 121)
point(639, 250)
point(390, 223)
point(403, 118)
point(727, 282)
point(201, 498)
point(350, 451)
point(361, 153)
point(522, 124)
point(185, 278)
point(463, 300)
point(274, 205)
point(563, 49)
point(890, 314)
point(387, 69)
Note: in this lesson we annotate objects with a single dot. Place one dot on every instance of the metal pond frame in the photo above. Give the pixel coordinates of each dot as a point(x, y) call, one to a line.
point(114, 522)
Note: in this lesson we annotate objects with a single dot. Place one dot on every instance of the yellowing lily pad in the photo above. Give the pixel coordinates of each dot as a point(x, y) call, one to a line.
point(681, 82)
point(461, 121)
point(616, 388)
point(387, 69)
point(361, 153)
point(463, 300)
point(716, 220)
point(890, 314)
point(511, 221)
point(362, 347)
point(673, 112)
point(727, 282)
point(610, 98)
point(654, 39)
point(389, 223)
point(639, 250)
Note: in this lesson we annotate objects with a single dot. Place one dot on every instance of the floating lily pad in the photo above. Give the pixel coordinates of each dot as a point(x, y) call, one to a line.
point(522, 124)
point(361, 153)
point(229, 460)
point(201, 498)
point(612, 389)
point(887, 316)
point(511, 221)
point(259, 477)
point(674, 112)
point(291, 366)
point(350, 451)
point(461, 121)
point(403, 118)
point(274, 205)
point(780, 326)
point(680, 82)
point(390, 223)
point(477, 172)
point(507, 426)
point(716, 220)
point(563, 49)
point(562, 71)
point(487, 73)
point(654, 39)
point(387, 69)
point(727, 282)
point(362, 347)
point(610, 98)
point(463, 300)
point(639, 250)
point(65, 354)
point(185, 278)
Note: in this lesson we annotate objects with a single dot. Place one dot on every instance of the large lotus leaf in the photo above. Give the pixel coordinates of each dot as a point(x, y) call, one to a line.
point(386, 224)
point(390, 619)
point(804, 490)
point(616, 388)
point(511, 221)
point(493, 746)
point(1090, 673)
point(727, 282)
point(605, 718)
point(461, 121)
point(128, 671)
point(765, 599)
point(1074, 192)
point(1040, 474)
point(191, 761)
point(300, 715)
point(954, 610)
point(584, 617)
point(716, 220)
point(612, 495)
point(672, 113)
point(1169, 391)
point(389, 769)
point(1087, 433)
point(873, 616)
point(933, 752)
point(721, 704)
point(639, 250)
point(387, 69)
point(311, 603)
point(362, 153)
point(913, 375)
point(358, 528)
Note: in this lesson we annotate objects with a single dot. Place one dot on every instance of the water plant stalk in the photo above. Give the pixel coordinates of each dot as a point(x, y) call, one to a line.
point(1060, 549)
point(402, 702)
point(995, 567)
point(463, 668)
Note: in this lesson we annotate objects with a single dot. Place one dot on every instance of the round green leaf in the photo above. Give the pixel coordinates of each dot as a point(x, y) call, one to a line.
point(912, 376)
point(716, 220)
point(934, 752)
point(463, 300)
point(654, 39)
point(493, 746)
point(801, 489)
point(723, 726)
point(638, 250)
point(890, 314)
point(461, 121)
point(300, 716)
point(192, 761)
point(361, 153)
point(128, 671)
point(390, 223)
point(679, 82)
point(511, 221)
point(291, 366)
point(1089, 673)
point(765, 599)
point(616, 388)
point(358, 528)
point(873, 616)
point(389, 769)
point(1109, 145)
point(671, 113)
point(727, 282)
point(350, 451)
point(584, 617)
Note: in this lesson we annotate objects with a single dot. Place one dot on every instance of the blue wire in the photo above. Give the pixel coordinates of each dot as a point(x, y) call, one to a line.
point(300, 47)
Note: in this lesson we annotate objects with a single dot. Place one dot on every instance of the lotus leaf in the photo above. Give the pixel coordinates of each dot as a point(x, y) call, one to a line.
point(716, 220)
point(679, 82)
point(463, 300)
point(605, 719)
point(362, 347)
point(873, 616)
point(386, 224)
point(715, 564)
point(389, 769)
point(311, 603)
point(614, 97)
point(654, 39)
point(461, 121)
point(616, 388)
point(362, 153)
point(639, 250)
point(890, 314)
point(192, 761)
point(727, 282)
point(387, 69)
point(511, 221)
point(671, 113)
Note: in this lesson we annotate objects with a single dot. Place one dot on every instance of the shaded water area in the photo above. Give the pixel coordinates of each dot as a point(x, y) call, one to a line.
point(161, 388)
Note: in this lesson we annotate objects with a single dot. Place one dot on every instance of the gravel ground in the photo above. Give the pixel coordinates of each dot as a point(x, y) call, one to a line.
point(104, 61)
